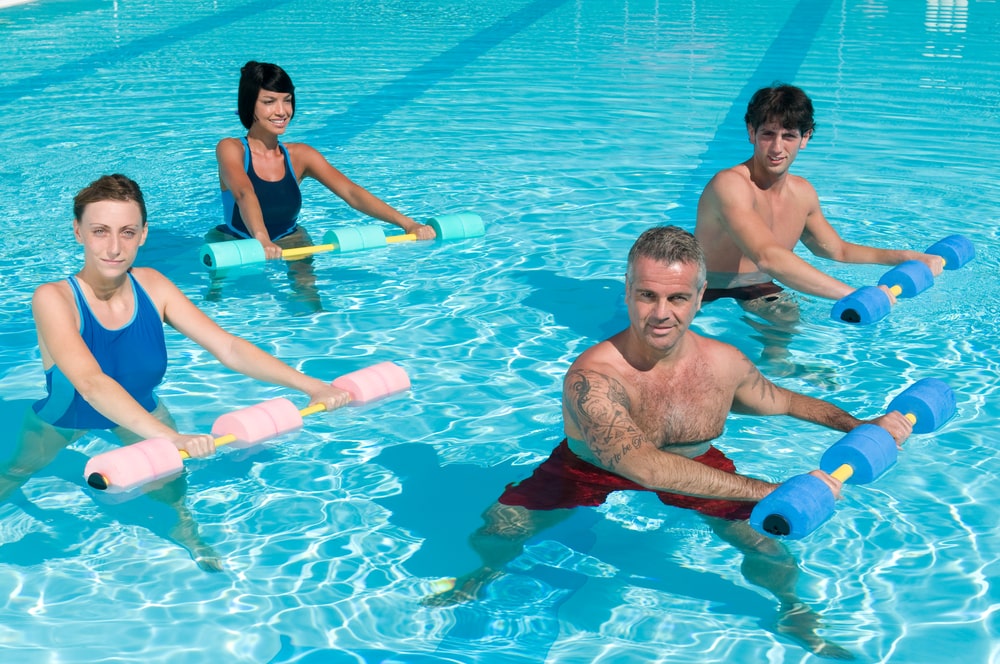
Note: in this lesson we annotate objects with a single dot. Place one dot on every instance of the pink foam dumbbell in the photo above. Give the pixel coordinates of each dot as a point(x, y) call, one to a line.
point(131, 466)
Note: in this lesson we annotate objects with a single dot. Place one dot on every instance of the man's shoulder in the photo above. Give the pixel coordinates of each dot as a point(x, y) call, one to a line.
point(729, 183)
point(799, 186)
point(602, 358)
point(715, 352)
point(726, 177)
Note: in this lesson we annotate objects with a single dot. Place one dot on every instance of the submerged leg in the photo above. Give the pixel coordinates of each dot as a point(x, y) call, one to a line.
point(500, 540)
point(174, 494)
point(37, 446)
point(768, 564)
point(776, 318)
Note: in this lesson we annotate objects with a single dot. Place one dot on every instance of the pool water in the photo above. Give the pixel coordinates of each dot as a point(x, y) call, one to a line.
point(570, 126)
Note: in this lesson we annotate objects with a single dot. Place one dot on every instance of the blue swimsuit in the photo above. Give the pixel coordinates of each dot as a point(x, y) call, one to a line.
point(280, 201)
point(135, 355)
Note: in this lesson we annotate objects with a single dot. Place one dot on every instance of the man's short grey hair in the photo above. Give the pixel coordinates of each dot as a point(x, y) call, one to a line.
point(668, 244)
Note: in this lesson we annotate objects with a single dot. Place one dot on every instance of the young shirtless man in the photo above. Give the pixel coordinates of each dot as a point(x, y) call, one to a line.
point(640, 411)
point(751, 216)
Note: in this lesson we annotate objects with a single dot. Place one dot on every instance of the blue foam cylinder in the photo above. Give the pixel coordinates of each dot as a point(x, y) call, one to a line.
point(956, 250)
point(794, 509)
point(231, 253)
point(355, 238)
point(865, 305)
point(868, 449)
point(457, 226)
point(912, 277)
point(929, 400)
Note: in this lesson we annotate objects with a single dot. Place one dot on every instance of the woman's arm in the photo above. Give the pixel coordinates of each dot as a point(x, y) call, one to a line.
point(310, 163)
point(230, 155)
point(235, 353)
point(54, 311)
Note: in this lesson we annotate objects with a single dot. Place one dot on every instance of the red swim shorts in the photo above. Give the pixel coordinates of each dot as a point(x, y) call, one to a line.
point(564, 480)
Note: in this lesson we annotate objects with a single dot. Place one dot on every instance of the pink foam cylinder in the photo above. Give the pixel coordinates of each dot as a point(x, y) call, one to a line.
point(283, 413)
point(374, 382)
point(259, 422)
point(134, 465)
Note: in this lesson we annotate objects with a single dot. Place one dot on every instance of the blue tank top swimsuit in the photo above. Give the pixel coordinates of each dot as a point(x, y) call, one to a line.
point(280, 202)
point(135, 355)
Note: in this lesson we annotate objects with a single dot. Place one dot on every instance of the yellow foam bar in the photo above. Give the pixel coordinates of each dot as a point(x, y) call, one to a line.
point(300, 252)
point(409, 237)
point(843, 473)
point(230, 438)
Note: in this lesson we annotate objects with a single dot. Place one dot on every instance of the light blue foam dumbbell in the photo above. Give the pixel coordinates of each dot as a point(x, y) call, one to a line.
point(236, 253)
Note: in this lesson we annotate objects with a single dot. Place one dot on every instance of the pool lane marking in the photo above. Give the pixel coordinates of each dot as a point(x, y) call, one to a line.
point(119, 55)
point(368, 111)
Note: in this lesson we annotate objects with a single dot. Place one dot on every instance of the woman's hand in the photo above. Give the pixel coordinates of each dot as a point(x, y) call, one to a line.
point(271, 250)
point(422, 231)
point(330, 396)
point(196, 445)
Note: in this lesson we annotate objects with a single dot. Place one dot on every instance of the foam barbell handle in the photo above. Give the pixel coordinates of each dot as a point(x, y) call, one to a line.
point(237, 253)
point(130, 466)
point(301, 252)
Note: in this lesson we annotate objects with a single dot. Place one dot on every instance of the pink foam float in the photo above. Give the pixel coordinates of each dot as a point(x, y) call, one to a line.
point(132, 466)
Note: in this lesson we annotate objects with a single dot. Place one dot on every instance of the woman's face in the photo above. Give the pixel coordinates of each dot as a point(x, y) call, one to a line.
point(273, 110)
point(111, 233)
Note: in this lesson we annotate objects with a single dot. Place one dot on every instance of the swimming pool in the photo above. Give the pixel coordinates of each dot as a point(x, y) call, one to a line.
point(570, 127)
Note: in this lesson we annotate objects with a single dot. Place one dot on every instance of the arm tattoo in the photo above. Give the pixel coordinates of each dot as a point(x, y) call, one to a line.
point(600, 407)
point(759, 385)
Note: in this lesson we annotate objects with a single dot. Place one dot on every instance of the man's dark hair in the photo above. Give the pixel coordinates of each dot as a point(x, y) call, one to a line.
point(781, 103)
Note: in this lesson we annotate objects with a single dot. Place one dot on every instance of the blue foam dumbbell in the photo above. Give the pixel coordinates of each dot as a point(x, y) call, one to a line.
point(870, 303)
point(803, 503)
point(908, 279)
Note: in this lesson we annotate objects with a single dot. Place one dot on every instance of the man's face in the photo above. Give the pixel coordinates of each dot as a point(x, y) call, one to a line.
point(775, 147)
point(662, 301)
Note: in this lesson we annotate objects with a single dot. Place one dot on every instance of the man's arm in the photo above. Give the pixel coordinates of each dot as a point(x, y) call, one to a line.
point(823, 241)
point(599, 408)
point(758, 395)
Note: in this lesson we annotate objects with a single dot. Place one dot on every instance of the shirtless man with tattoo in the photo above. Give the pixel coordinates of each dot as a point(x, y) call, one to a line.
point(640, 411)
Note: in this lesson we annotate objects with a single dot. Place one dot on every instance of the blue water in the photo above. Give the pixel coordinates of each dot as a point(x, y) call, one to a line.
point(569, 126)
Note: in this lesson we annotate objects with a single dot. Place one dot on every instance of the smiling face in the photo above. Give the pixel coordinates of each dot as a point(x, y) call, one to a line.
point(663, 299)
point(775, 147)
point(111, 233)
point(273, 111)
